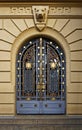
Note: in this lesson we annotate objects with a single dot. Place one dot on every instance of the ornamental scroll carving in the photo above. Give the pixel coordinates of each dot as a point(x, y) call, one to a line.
point(40, 16)
point(28, 10)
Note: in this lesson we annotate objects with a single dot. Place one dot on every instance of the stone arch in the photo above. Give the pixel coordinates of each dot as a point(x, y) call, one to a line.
point(32, 32)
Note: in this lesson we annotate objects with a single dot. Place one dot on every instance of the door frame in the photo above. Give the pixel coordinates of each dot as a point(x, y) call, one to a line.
point(28, 34)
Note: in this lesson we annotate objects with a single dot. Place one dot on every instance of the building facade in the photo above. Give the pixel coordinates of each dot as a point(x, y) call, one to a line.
point(58, 24)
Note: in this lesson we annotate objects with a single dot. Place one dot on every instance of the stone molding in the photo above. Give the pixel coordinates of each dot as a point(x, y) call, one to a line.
point(52, 11)
point(27, 11)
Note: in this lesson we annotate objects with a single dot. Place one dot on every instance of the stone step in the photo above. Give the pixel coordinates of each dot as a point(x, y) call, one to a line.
point(41, 122)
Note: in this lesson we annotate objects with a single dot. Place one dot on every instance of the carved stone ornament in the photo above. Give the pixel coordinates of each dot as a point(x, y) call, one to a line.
point(40, 16)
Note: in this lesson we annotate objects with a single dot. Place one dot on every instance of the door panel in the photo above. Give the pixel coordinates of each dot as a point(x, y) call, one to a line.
point(41, 107)
point(40, 77)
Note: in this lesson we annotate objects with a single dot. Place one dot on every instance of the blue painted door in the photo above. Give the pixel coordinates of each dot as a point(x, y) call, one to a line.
point(40, 77)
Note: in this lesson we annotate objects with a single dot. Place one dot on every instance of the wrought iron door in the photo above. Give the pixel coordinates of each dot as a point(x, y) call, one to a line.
point(40, 77)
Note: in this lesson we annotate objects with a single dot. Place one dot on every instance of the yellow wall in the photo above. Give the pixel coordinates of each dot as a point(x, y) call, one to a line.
point(65, 28)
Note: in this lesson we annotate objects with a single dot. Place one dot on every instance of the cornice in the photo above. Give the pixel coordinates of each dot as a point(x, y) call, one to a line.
point(72, 4)
point(65, 1)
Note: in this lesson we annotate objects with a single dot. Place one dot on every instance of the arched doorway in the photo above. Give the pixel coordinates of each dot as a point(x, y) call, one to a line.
point(41, 77)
